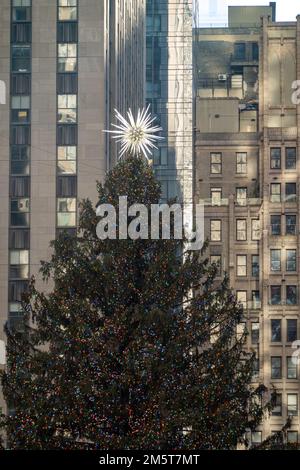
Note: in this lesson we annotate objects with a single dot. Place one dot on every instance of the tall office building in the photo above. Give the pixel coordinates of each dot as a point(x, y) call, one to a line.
point(247, 171)
point(66, 65)
point(169, 90)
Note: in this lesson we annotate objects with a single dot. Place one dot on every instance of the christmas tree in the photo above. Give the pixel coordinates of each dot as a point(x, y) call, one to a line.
point(134, 348)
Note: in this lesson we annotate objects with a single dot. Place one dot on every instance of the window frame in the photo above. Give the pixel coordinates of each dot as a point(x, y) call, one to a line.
point(289, 232)
point(214, 154)
point(276, 371)
point(276, 331)
point(240, 266)
point(278, 405)
point(240, 231)
point(290, 338)
point(275, 261)
point(240, 165)
point(219, 221)
point(275, 197)
point(294, 158)
point(255, 232)
point(293, 261)
point(290, 287)
point(255, 332)
point(242, 201)
point(276, 161)
point(295, 405)
point(274, 232)
point(290, 366)
point(279, 290)
point(253, 264)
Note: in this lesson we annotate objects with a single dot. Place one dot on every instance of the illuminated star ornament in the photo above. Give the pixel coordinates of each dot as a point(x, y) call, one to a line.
point(136, 136)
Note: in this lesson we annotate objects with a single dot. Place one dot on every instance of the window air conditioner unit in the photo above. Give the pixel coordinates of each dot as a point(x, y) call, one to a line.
point(222, 77)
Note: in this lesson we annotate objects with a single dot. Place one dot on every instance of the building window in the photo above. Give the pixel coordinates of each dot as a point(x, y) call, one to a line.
point(19, 186)
point(256, 299)
point(290, 224)
point(66, 186)
point(21, 58)
point(67, 109)
point(276, 224)
point(67, 58)
point(66, 212)
point(275, 158)
point(20, 160)
point(16, 289)
point(19, 264)
point(291, 367)
point(241, 297)
point(241, 196)
point(216, 163)
point(292, 404)
point(290, 192)
point(67, 135)
point(277, 410)
point(291, 260)
point(255, 332)
point(19, 239)
point(241, 163)
point(276, 331)
point(276, 367)
point(215, 230)
point(241, 230)
point(216, 260)
point(67, 10)
point(66, 160)
point(19, 212)
point(67, 83)
point(275, 192)
point(291, 295)
point(67, 32)
point(290, 158)
point(20, 135)
point(20, 106)
point(255, 265)
point(21, 10)
point(240, 50)
point(292, 437)
point(20, 84)
point(241, 263)
point(291, 330)
point(275, 257)
point(255, 229)
point(275, 295)
point(21, 33)
point(216, 196)
point(16, 316)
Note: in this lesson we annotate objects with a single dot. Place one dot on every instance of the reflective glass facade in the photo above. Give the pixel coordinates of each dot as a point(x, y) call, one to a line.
point(169, 90)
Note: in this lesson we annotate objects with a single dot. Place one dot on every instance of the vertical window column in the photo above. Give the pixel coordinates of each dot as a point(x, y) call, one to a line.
point(67, 114)
point(20, 138)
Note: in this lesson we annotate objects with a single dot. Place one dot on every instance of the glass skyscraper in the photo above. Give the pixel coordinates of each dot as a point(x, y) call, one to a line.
point(169, 90)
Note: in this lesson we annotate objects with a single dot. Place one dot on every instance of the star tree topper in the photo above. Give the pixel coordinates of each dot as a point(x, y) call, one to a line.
point(136, 136)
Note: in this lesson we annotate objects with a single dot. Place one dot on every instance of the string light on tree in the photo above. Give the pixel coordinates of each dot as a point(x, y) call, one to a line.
point(136, 136)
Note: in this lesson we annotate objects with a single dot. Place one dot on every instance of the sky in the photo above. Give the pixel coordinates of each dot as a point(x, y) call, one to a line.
point(286, 10)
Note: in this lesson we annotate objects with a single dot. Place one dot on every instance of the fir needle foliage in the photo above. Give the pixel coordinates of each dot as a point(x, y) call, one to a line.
point(120, 354)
